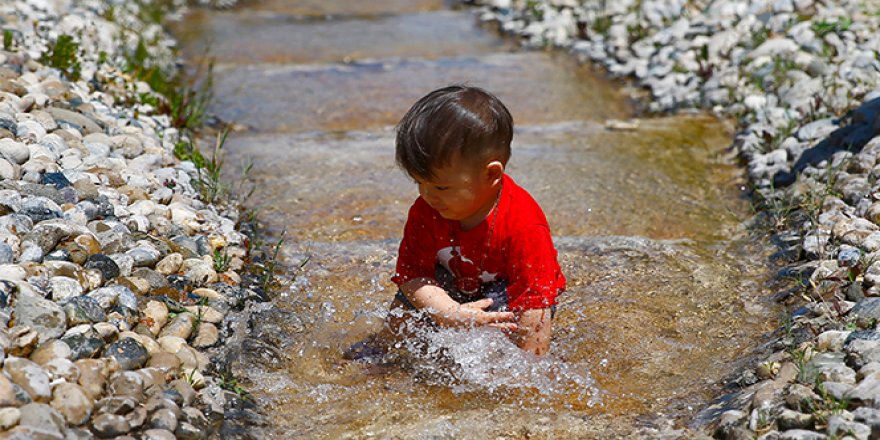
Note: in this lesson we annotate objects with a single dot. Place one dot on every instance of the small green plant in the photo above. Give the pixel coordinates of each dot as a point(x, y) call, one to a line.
point(268, 276)
point(759, 37)
point(534, 9)
point(221, 260)
point(63, 54)
point(208, 171)
point(823, 28)
point(7, 39)
point(229, 382)
point(602, 25)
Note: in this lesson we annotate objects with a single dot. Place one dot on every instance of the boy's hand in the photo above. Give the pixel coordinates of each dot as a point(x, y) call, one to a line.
point(476, 312)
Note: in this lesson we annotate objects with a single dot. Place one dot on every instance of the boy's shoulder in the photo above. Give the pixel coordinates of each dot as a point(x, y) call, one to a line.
point(520, 210)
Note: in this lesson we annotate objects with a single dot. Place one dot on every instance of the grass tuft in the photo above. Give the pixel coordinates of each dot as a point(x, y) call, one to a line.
point(63, 54)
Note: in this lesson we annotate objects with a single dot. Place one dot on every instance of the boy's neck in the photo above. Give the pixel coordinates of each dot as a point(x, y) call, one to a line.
point(479, 216)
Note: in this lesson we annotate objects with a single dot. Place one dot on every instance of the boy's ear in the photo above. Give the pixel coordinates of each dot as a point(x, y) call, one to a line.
point(494, 170)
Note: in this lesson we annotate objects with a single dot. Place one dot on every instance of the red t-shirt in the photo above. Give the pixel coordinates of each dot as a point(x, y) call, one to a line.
point(520, 250)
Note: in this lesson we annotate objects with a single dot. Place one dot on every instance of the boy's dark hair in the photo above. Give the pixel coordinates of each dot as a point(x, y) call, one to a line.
point(457, 120)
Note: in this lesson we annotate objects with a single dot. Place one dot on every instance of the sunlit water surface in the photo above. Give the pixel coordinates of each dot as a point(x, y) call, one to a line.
point(665, 287)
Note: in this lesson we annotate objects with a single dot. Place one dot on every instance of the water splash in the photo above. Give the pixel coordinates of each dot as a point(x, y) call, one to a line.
point(483, 360)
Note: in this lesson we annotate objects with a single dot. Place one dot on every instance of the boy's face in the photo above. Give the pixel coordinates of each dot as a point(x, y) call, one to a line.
point(463, 192)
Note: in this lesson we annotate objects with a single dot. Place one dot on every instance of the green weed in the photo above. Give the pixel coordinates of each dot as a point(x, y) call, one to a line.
point(602, 25)
point(229, 382)
point(221, 260)
point(208, 171)
point(823, 28)
point(534, 9)
point(63, 54)
point(7, 39)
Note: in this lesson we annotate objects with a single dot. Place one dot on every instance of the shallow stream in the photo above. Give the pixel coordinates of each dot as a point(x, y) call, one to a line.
point(666, 288)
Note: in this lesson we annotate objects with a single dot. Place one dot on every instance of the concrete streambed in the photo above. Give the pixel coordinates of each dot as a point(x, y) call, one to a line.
point(665, 287)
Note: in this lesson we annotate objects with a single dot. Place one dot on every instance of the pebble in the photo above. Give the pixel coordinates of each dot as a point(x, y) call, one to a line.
point(49, 351)
point(181, 326)
point(43, 316)
point(84, 342)
point(93, 376)
point(43, 417)
point(170, 264)
point(72, 402)
point(110, 425)
point(207, 336)
point(156, 315)
point(9, 417)
point(128, 352)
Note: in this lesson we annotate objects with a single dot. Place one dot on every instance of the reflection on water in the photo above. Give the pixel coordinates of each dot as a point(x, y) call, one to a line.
point(665, 289)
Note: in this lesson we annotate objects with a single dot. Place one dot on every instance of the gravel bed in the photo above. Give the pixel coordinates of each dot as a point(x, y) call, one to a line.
point(121, 290)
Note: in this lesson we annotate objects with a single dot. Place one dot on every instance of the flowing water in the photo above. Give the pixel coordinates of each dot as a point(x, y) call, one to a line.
point(666, 291)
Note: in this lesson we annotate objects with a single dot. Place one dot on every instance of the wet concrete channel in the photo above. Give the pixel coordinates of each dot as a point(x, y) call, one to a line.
point(666, 291)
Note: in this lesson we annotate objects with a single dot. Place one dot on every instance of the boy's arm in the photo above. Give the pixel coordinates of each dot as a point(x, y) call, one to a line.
point(535, 326)
point(425, 294)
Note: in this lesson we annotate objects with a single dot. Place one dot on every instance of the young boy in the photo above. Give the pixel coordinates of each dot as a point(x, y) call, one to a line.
point(476, 248)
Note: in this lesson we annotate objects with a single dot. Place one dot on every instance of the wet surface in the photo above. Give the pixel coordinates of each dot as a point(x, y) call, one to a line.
point(664, 286)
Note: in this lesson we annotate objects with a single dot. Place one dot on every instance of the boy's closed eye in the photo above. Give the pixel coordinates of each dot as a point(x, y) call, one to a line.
point(441, 188)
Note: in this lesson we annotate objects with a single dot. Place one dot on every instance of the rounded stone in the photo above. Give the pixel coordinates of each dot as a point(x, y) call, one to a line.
point(15, 152)
point(42, 416)
point(83, 310)
point(84, 342)
point(110, 425)
point(9, 417)
point(54, 349)
point(43, 316)
point(207, 336)
point(144, 256)
point(158, 434)
point(72, 402)
point(170, 264)
point(63, 288)
point(64, 369)
point(93, 376)
point(40, 208)
point(109, 269)
point(199, 271)
point(129, 353)
point(171, 344)
point(7, 392)
point(181, 326)
point(30, 376)
point(163, 418)
point(156, 316)
point(127, 383)
point(165, 361)
point(7, 171)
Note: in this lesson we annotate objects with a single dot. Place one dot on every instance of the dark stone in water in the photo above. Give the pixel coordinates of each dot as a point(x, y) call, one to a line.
point(59, 255)
point(105, 264)
point(84, 345)
point(83, 310)
point(56, 179)
point(867, 309)
point(129, 353)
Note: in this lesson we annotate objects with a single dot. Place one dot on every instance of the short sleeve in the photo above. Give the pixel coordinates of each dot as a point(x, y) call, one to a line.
point(535, 278)
point(416, 256)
